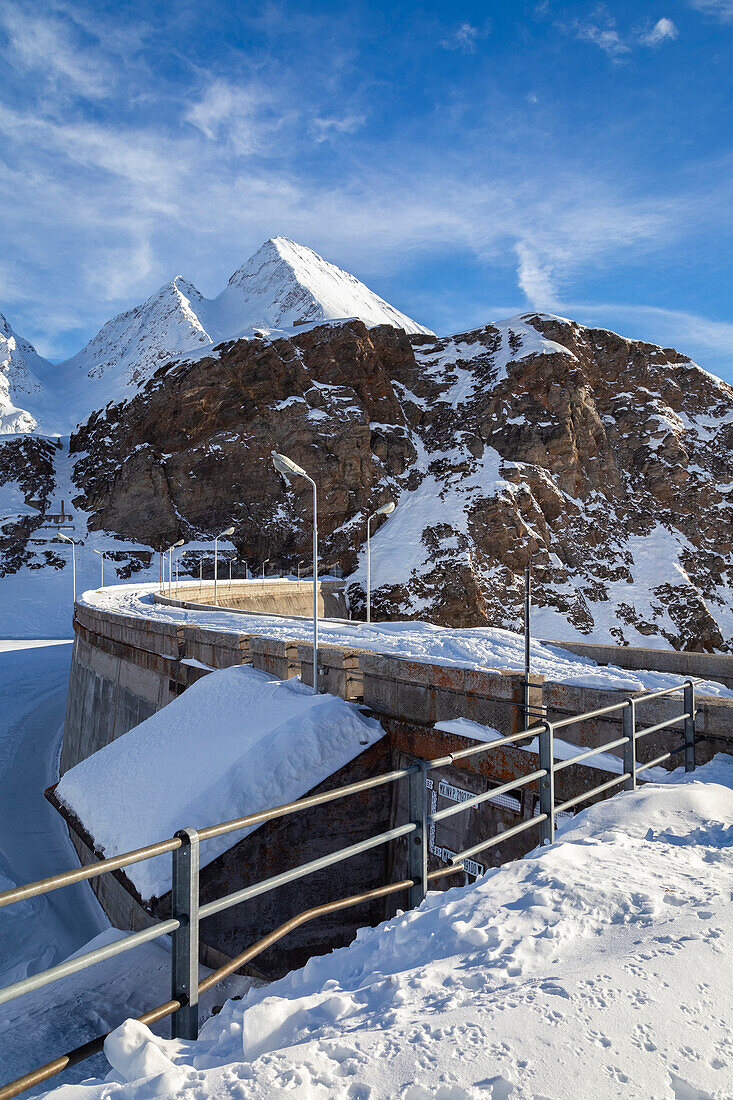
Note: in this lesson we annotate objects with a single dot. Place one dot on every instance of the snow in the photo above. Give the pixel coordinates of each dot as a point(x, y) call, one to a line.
point(200, 760)
point(469, 647)
point(598, 965)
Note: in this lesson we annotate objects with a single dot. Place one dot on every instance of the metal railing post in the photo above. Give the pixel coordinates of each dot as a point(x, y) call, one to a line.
point(689, 726)
point(185, 946)
point(628, 719)
point(547, 783)
point(417, 842)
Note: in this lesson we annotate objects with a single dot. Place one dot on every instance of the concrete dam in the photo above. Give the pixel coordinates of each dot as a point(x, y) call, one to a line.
point(128, 666)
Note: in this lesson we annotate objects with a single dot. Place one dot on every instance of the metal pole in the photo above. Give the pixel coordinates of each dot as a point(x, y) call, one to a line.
point(689, 726)
point(628, 718)
point(73, 571)
point(170, 572)
point(185, 945)
point(417, 842)
point(315, 587)
point(161, 575)
point(216, 568)
point(527, 628)
point(547, 784)
point(369, 572)
point(201, 570)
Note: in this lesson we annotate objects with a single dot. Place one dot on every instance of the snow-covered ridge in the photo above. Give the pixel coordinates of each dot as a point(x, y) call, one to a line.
point(282, 287)
point(20, 364)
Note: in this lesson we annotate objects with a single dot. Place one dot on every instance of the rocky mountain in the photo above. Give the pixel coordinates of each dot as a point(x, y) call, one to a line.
point(607, 462)
point(283, 287)
point(20, 383)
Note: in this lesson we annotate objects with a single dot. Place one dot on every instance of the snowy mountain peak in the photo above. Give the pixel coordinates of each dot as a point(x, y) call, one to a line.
point(19, 364)
point(286, 285)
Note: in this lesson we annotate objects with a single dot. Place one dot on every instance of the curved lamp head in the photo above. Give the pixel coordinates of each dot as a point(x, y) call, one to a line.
point(386, 509)
point(63, 537)
point(175, 544)
point(229, 531)
point(286, 466)
point(100, 552)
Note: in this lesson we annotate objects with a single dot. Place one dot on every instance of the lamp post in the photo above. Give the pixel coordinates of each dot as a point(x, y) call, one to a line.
point(385, 510)
point(101, 556)
point(299, 565)
point(229, 531)
point(65, 538)
point(288, 468)
point(263, 569)
point(169, 552)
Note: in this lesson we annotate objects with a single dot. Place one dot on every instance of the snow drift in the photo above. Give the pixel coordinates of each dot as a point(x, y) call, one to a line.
point(238, 742)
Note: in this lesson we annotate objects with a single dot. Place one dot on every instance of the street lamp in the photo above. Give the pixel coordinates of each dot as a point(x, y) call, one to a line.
point(169, 552)
point(65, 538)
point(385, 510)
point(101, 555)
point(288, 468)
point(229, 531)
point(263, 569)
point(299, 565)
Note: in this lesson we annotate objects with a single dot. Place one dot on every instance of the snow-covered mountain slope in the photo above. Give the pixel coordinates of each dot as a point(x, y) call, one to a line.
point(20, 384)
point(283, 287)
point(596, 967)
point(286, 285)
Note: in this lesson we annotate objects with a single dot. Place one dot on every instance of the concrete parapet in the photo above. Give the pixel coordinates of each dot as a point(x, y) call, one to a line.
point(276, 656)
point(709, 666)
point(286, 599)
point(216, 649)
point(714, 720)
point(339, 669)
point(421, 692)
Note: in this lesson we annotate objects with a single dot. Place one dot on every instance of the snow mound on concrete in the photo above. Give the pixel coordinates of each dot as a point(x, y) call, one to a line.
point(598, 966)
point(201, 760)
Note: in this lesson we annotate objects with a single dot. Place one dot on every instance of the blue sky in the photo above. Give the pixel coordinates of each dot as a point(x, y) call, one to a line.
point(467, 161)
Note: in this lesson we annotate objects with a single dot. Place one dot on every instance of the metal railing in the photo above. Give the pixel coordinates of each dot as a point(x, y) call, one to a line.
point(187, 912)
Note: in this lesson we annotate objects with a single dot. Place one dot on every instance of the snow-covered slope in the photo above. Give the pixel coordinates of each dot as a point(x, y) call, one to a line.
point(281, 288)
point(596, 967)
point(286, 285)
point(20, 385)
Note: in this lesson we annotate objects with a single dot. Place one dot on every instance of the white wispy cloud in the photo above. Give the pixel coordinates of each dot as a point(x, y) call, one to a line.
point(465, 37)
point(721, 10)
point(47, 44)
point(325, 129)
point(602, 31)
point(244, 115)
point(662, 31)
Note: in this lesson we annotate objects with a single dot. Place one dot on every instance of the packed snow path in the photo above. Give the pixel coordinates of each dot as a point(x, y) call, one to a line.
point(599, 966)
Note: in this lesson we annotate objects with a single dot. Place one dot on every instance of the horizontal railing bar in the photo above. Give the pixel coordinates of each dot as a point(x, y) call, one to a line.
point(561, 723)
point(660, 725)
point(304, 803)
point(484, 746)
point(433, 819)
point(81, 962)
point(264, 887)
point(95, 1046)
point(506, 835)
point(79, 874)
point(589, 794)
point(652, 763)
point(669, 691)
point(591, 752)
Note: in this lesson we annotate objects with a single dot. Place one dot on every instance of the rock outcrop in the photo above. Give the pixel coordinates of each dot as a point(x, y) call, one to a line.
point(607, 463)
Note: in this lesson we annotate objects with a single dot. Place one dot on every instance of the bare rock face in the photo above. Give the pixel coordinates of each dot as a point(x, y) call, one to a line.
point(26, 488)
point(606, 462)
